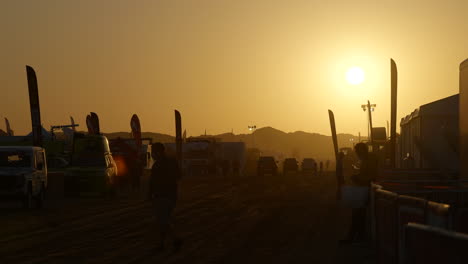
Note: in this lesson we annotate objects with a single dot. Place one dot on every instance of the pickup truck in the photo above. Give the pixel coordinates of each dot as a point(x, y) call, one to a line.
point(23, 174)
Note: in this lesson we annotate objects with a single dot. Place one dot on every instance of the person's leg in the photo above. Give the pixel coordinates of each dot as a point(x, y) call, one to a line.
point(352, 230)
point(162, 214)
point(177, 241)
point(361, 219)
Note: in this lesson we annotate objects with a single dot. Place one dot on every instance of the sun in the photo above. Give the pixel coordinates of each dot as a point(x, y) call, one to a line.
point(355, 75)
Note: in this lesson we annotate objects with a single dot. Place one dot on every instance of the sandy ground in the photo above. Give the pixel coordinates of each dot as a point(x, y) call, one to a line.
point(291, 219)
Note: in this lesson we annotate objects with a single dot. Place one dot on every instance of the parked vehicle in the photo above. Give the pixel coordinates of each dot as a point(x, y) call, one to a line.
point(92, 168)
point(309, 166)
point(290, 165)
point(23, 174)
point(267, 165)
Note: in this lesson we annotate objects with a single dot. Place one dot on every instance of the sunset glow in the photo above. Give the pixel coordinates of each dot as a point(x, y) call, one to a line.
point(355, 76)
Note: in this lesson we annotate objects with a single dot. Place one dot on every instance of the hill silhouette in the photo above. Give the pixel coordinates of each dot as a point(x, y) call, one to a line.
point(271, 141)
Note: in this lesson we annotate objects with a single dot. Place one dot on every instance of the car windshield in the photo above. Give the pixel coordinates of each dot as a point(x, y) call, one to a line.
point(89, 145)
point(15, 159)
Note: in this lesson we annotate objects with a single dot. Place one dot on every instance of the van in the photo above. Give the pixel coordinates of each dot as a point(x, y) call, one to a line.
point(92, 168)
point(23, 174)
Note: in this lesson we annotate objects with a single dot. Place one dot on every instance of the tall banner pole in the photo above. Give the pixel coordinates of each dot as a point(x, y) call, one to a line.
point(338, 160)
point(95, 123)
point(394, 89)
point(9, 131)
point(463, 120)
point(34, 106)
point(333, 131)
point(136, 133)
point(178, 121)
point(89, 125)
point(73, 124)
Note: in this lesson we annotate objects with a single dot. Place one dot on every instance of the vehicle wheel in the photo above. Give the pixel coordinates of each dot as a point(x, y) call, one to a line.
point(28, 198)
point(40, 197)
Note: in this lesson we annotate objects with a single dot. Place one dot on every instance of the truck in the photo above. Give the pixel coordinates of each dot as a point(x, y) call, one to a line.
point(23, 174)
point(92, 168)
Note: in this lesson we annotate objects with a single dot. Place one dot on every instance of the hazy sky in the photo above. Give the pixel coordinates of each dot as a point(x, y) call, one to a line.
point(226, 64)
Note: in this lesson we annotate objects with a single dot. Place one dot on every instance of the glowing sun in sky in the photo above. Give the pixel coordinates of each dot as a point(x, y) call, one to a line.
point(355, 75)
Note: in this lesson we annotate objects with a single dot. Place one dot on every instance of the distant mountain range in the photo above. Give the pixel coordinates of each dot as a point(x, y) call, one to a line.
point(272, 141)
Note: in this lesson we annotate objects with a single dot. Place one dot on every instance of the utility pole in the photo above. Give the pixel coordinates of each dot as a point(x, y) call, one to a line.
point(370, 108)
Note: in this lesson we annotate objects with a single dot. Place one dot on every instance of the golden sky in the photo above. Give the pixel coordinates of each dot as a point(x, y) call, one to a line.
point(226, 64)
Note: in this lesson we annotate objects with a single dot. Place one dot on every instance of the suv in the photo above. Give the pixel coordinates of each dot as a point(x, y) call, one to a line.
point(92, 168)
point(23, 174)
point(267, 165)
point(290, 165)
point(309, 166)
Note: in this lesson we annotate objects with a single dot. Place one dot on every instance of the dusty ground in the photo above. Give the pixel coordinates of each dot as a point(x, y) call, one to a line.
point(290, 219)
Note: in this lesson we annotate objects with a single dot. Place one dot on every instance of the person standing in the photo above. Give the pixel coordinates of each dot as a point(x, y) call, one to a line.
point(163, 192)
point(367, 172)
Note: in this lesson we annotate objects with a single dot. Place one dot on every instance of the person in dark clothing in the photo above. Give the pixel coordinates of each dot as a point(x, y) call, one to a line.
point(163, 185)
point(367, 172)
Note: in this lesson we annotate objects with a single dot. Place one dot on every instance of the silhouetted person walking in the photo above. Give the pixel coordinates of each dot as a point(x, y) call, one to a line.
point(321, 168)
point(165, 174)
point(367, 172)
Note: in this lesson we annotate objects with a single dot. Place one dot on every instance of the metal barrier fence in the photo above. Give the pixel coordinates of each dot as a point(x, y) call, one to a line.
point(392, 212)
point(431, 245)
point(410, 209)
point(438, 215)
point(386, 223)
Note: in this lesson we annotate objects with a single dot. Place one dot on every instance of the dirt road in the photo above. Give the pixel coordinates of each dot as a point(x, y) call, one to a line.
point(290, 219)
